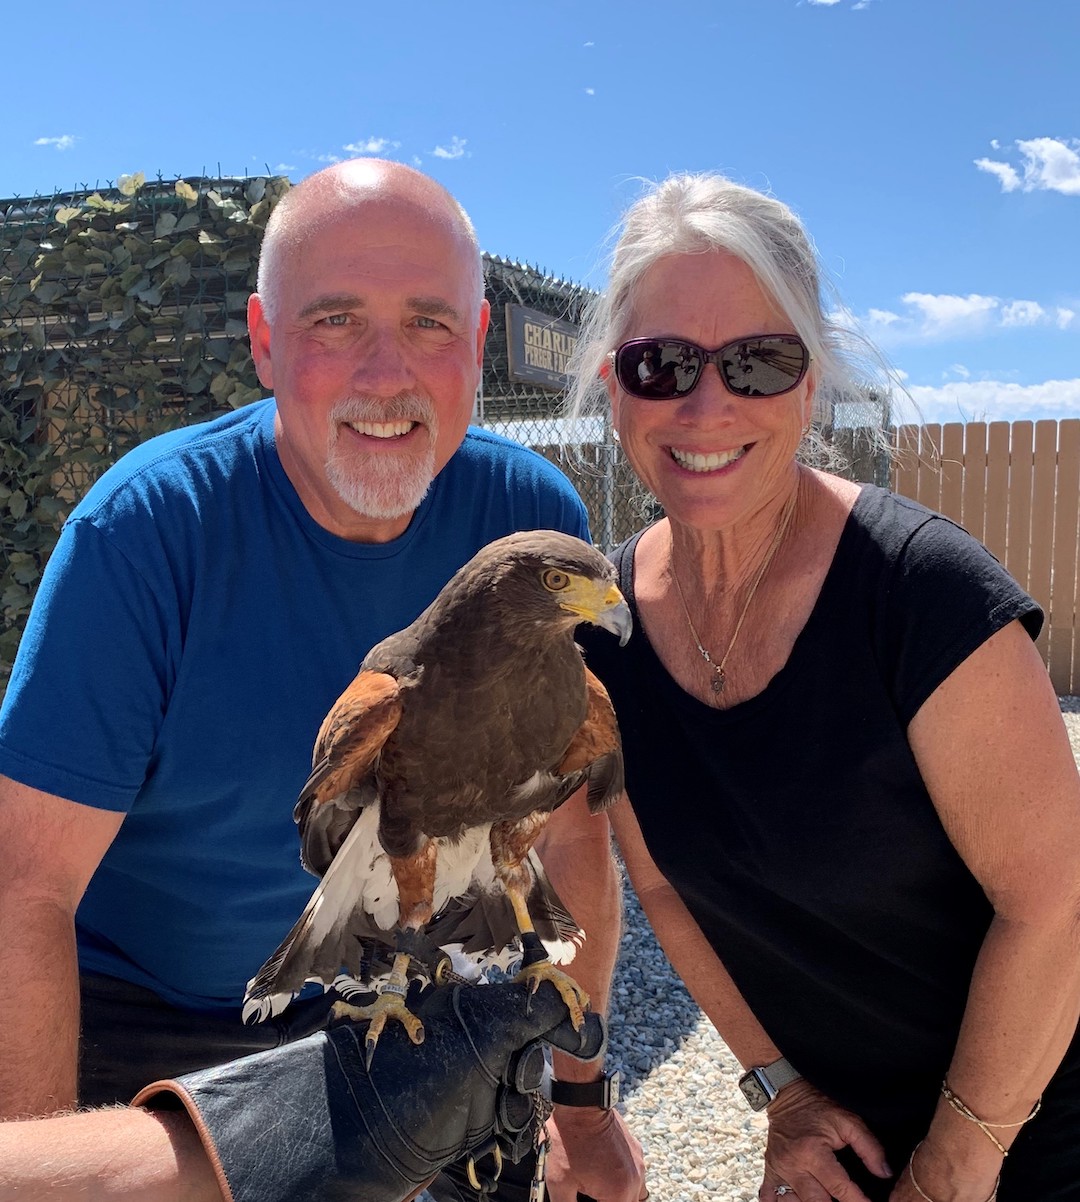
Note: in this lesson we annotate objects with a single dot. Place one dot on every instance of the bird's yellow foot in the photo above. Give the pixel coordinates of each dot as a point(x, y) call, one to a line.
point(576, 999)
point(390, 1004)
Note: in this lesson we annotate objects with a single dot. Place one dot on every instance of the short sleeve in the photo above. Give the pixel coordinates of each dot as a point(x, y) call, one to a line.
point(945, 596)
point(89, 685)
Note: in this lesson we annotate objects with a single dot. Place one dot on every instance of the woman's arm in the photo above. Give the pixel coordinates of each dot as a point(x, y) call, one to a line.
point(995, 756)
point(805, 1127)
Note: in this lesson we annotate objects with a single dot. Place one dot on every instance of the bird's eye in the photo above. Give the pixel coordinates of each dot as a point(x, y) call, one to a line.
point(555, 581)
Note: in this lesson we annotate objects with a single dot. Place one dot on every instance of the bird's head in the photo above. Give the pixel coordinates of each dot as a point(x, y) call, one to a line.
point(547, 575)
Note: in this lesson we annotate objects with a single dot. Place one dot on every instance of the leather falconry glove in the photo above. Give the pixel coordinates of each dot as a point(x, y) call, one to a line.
point(309, 1120)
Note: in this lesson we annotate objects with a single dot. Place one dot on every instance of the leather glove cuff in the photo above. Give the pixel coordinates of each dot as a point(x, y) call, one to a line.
point(308, 1120)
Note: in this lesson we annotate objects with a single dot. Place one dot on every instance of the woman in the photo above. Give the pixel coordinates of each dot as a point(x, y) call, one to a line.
point(855, 817)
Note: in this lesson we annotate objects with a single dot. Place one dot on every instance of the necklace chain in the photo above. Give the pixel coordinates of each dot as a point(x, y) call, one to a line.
point(719, 675)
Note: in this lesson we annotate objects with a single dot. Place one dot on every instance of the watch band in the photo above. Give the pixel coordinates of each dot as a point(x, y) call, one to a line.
point(763, 1082)
point(603, 1093)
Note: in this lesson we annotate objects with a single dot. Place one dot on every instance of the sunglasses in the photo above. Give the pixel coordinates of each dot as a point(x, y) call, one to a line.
point(661, 369)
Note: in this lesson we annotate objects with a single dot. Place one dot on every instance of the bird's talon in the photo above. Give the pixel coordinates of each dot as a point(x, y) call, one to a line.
point(574, 997)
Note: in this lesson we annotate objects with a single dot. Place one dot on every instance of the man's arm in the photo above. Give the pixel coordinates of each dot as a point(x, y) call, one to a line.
point(595, 1152)
point(49, 849)
point(117, 1154)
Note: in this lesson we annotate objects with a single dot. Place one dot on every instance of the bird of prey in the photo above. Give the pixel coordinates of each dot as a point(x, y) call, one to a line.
point(435, 772)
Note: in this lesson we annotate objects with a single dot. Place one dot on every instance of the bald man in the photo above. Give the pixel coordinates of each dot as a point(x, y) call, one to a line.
point(207, 602)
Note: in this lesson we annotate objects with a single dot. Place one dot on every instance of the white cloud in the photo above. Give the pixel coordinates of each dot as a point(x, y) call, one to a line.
point(958, 369)
point(995, 400)
point(455, 150)
point(328, 158)
point(934, 317)
point(590, 91)
point(1049, 165)
point(589, 43)
point(823, 3)
point(1023, 313)
point(950, 315)
point(64, 142)
point(283, 168)
point(370, 146)
point(1010, 179)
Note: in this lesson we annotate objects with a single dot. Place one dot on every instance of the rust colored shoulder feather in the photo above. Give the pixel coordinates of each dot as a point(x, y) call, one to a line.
point(596, 748)
point(353, 734)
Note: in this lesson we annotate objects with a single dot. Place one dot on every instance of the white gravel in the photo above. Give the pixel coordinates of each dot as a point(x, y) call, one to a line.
point(680, 1090)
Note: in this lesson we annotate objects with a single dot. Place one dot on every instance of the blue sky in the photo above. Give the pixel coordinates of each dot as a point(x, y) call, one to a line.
point(931, 146)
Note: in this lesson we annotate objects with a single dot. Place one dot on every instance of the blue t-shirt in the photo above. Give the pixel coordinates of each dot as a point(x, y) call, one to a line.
point(192, 629)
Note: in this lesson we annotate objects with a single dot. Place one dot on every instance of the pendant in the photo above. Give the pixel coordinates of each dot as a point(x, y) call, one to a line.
point(718, 681)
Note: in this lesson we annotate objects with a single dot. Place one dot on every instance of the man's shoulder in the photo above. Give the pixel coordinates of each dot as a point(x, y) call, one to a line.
point(495, 485)
point(186, 460)
point(486, 450)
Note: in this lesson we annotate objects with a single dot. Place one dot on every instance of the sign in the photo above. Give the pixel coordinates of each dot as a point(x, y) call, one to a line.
point(539, 347)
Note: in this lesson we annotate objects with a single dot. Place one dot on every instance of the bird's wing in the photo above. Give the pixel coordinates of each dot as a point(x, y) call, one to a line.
point(350, 741)
point(595, 752)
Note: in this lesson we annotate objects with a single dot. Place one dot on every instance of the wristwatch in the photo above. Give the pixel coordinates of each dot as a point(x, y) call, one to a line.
point(603, 1093)
point(762, 1083)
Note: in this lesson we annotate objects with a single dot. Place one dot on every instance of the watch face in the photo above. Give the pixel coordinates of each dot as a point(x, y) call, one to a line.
point(614, 1083)
point(754, 1091)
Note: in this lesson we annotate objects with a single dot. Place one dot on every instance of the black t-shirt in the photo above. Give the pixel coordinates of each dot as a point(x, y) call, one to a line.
point(795, 826)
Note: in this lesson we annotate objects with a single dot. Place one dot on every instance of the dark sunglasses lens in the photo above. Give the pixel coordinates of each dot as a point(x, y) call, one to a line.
point(652, 368)
point(764, 366)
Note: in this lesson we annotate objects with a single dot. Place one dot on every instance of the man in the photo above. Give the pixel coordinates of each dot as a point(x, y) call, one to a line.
point(208, 601)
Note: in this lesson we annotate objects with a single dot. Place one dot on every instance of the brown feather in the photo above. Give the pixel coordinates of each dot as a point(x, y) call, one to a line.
point(353, 734)
point(596, 748)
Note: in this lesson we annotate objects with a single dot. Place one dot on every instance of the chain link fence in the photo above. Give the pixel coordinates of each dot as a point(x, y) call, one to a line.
point(523, 299)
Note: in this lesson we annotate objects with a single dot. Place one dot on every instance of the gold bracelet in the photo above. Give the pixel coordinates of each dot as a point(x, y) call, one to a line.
point(961, 1107)
point(923, 1194)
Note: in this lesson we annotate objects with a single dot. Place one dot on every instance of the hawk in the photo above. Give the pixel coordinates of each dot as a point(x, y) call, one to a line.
point(435, 772)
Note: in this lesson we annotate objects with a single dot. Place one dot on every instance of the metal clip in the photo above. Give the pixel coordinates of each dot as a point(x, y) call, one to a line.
point(538, 1189)
point(487, 1186)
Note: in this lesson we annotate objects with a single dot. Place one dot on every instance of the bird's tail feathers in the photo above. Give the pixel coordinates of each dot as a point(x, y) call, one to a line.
point(323, 940)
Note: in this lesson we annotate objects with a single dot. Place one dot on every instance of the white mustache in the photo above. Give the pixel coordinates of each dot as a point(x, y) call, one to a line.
point(405, 407)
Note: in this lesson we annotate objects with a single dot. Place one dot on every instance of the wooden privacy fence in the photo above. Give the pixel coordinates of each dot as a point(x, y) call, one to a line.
point(1015, 486)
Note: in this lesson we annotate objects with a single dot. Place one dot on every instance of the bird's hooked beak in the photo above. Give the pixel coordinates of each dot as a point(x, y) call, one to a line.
point(602, 604)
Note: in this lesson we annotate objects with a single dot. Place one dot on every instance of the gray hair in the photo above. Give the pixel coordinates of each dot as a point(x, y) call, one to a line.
point(291, 220)
point(696, 214)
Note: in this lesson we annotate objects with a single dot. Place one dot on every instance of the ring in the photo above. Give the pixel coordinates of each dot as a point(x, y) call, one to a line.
point(781, 1190)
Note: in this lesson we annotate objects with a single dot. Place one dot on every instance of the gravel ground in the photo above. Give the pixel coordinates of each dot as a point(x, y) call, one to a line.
point(680, 1088)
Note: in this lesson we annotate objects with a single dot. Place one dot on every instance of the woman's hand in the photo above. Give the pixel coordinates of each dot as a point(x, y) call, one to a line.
point(806, 1129)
